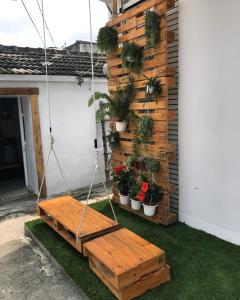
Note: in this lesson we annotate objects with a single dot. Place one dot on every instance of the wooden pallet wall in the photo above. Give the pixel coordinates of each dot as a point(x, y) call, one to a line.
point(130, 27)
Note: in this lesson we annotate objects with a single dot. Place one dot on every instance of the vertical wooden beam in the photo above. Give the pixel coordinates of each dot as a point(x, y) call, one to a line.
point(114, 8)
point(38, 142)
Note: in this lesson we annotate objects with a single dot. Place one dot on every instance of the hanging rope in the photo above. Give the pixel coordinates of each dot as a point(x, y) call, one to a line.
point(97, 162)
point(52, 141)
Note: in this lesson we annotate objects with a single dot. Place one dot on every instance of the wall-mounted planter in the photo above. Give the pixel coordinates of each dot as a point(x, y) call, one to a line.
point(124, 200)
point(149, 210)
point(135, 204)
point(121, 126)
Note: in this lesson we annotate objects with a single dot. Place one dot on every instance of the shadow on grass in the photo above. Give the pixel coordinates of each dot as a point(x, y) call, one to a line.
point(202, 266)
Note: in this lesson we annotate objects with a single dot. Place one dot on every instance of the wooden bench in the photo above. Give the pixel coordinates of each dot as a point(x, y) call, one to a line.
point(126, 263)
point(63, 214)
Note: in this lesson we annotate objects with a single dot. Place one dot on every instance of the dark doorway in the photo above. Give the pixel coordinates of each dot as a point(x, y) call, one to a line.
point(11, 155)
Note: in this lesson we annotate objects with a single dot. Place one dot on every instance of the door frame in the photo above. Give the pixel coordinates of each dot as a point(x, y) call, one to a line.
point(33, 98)
point(23, 139)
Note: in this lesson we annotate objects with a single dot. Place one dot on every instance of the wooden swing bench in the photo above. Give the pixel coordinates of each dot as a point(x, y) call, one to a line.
point(126, 263)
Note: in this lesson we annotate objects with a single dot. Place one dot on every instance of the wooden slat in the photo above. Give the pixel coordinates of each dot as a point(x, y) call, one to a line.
point(67, 212)
point(18, 91)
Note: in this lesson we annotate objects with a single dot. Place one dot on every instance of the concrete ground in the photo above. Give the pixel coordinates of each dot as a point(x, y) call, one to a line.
point(25, 272)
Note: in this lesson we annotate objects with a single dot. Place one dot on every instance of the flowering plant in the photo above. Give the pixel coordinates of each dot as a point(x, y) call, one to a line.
point(150, 193)
point(122, 177)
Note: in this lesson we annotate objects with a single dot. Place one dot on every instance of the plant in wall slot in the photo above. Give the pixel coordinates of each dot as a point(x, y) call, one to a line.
point(131, 57)
point(152, 165)
point(113, 139)
point(152, 28)
point(145, 128)
point(116, 106)
point(153, 88)
point(150, 195)
point(107, 39)
point(122, 177)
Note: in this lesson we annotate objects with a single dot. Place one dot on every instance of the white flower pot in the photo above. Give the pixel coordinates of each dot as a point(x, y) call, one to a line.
point(135, 204)
point(149, 210)
point(121, 126)
point(124, 200)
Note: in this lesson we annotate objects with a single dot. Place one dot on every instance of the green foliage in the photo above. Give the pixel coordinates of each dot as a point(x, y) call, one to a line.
point(154, 194)
point(134, 189)
point(153, 88)
point(107, 39)
point(152, 28)
point(113, 139)
point(123, 181)
point(131, 160)
point(116, 106)
point(131, 57)
point(180, 242)
point(152, 165)
point(145, 128)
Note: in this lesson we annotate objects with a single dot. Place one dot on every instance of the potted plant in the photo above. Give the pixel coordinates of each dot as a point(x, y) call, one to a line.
point(153, 88)
point(116, 106)
point(134, 190)
point(131, 57)
point(122, 177)
point(107, 39)
point(152, 28)
point(135, 161)
point(145, 128)
point(150, 195)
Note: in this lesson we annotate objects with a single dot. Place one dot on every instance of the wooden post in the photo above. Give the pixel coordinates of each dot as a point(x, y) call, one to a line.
point(37, 142)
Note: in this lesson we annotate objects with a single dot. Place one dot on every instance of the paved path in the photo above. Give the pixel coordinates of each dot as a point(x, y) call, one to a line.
point(25, 273)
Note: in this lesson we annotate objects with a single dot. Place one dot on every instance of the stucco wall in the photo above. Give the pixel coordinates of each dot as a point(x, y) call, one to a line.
point(209, 106)
point(73, 128)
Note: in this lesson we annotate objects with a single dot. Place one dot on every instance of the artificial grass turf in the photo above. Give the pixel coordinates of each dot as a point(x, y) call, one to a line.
point(202, 266)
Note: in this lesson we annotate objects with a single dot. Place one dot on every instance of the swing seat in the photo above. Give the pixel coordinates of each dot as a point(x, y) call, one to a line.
point(63, 215)
point(126, 263)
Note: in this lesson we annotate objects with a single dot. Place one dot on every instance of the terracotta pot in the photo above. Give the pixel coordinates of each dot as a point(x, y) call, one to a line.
point(121, 126)
point(149, 210)
point(124, 200)
point(135, 204)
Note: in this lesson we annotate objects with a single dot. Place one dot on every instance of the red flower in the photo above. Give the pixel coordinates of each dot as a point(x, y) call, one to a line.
point(140, 196)
point(118, 169)
point(145, 187)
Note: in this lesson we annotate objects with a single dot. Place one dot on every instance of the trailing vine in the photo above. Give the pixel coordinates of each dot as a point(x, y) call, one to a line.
point(152, 29)
point(107, 39)
point(131, 57)
point(145, 128)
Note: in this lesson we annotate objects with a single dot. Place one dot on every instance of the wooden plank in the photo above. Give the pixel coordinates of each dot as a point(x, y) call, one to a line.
point(67, 212)
point(38, 143)
point(18, 91)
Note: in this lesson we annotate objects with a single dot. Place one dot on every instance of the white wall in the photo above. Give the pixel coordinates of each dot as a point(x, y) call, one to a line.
point(209, 106)
point(73, 128)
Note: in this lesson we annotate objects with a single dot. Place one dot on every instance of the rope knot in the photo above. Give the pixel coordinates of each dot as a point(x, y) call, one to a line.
point(52, 141)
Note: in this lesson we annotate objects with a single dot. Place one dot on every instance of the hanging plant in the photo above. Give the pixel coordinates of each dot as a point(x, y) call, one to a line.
point(152, 165)
point(153, 88)
point(107, 39)
point(116, 106)
point(131, 57)
point(152, 29)
point(145, 128)
point(113, 139)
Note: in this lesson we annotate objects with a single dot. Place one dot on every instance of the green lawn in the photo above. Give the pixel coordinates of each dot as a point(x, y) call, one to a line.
point(202, 266)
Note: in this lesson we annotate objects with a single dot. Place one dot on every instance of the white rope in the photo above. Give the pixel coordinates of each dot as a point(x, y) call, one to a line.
point(51, 150)
point(97, 162)
point(31, 19)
